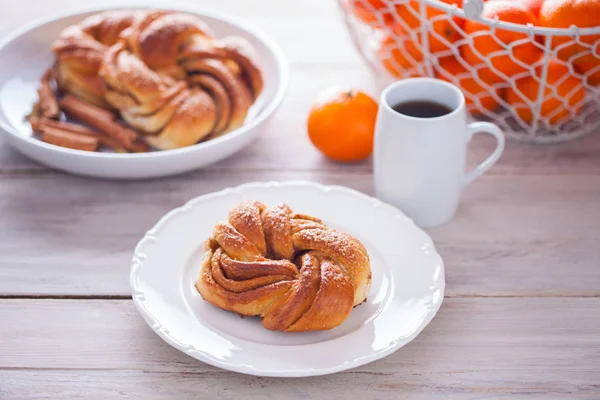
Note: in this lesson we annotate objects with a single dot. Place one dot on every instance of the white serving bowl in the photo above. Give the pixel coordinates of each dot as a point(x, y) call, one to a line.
point(26, 53)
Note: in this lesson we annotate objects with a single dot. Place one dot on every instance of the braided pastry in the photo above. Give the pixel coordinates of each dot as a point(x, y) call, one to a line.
point(162, 71)
point(290, 269)
point(80, 49)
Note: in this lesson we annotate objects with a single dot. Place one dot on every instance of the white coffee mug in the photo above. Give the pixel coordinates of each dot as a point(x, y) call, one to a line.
point(419, 163)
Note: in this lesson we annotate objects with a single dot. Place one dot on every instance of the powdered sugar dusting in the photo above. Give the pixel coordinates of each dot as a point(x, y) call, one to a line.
point(339, 260)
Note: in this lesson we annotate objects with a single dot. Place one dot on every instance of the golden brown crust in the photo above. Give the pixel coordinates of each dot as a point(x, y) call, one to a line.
point(106, 27)
point(278, 230)
point(239, 94)
point(80, 50)
point(290, 269)
point(240, 52)
point(246, 219)
point(194, 119)
point(236, 53)
point(153, 116)
point(174, 115)
point(158, 35)
point(126, 74)
point(332, 303)
point(219, 93)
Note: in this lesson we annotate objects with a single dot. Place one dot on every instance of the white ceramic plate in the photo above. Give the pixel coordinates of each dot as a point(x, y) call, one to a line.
point(26, 53)
point(407, 288)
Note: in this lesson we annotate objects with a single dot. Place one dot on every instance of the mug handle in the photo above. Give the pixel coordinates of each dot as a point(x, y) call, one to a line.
point(491, 129)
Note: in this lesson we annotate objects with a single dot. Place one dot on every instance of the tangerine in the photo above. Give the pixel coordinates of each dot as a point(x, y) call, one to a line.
point(443, 32)
point(564, 14)
point(372, 12)
point(591, 72)
point(399, 54)
point(341, 124)
point(568, 94)
point(499, 47)
point(478, 97)
point(533, 5)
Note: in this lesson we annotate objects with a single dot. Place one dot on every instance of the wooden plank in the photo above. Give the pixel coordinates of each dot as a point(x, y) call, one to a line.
point(417, 385)
point(474, 349)
point(513, 235)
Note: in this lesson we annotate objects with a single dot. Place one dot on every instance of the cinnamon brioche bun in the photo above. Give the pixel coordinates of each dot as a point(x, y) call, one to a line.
point(171, 113)
point(162, 71)
point(290, 269)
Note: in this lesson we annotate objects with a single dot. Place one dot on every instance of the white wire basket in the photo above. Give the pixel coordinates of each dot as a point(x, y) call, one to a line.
point(540, 85)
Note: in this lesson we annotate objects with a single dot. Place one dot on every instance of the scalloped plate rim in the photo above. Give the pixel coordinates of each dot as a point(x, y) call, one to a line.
point(150, 236)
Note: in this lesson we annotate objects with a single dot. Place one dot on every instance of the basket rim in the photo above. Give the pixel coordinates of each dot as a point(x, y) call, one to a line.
point(540, 130)
point(572, 31)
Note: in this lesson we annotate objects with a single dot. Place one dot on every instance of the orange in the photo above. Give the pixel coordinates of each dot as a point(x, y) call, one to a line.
point(563, 14)
point(478, 97)
point(369, 10)
point(589, 66)
point(487, 44)
point(341, 124)
point(444, 31)
point(400, 55)
point(591, 71)
point(569, 89)
point(533, 5)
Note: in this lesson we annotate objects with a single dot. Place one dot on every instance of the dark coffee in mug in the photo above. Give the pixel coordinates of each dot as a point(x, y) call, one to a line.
point(422, 109)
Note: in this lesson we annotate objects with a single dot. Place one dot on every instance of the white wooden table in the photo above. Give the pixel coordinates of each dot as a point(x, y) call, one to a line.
point(522, 314)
